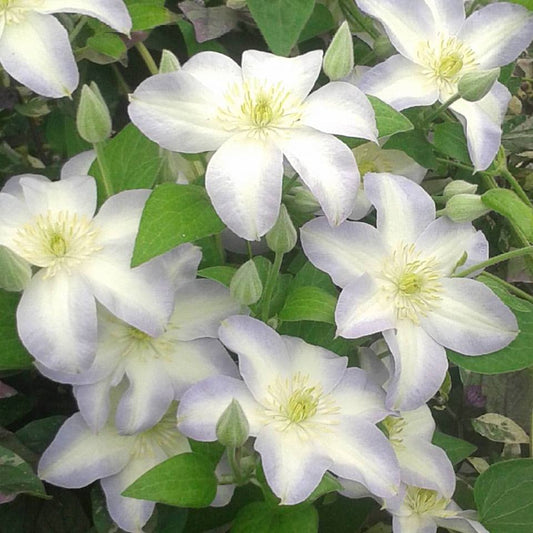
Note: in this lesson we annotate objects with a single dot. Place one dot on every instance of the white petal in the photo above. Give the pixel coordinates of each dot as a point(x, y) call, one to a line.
point(449, 16)
point(400, 83)
point(344, 252)
point(407, 22)
point(293, 466)
point(403, 208)
point(112, 12)
point(419, 424)
point(181, 263)
point(498, 33)
point(461, 524)
point(243, 180)
point(420, 366)
point(340, 108)
point(362, 206)
point(78, 457)
point(402, 165)
point(470, 318)
point(482, 123)
point(414, 523)
point(177, 112)
point(448, 241)
point(201, 406)
point(263, 356)
point(37, 53)
point(296, 74)
point(78, 165)
point(362, 309)
point(14, 214)
point(327, 166)
point(93, 402)
point(373, 365)
point(56, 320)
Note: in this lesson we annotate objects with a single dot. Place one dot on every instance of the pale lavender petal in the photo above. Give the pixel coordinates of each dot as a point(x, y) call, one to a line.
point(93, 402)
point(449, 16)
point(414, 523)
point(419, 424)
point(181, 263)
point(78, 165)
point(373, 366)
point(462, 524)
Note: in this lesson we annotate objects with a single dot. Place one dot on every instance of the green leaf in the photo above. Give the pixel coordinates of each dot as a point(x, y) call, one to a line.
point(281, 21)
point(16, 476)
point(309, 303)
point(261, 517)
point(327, 484)
point(508, 204)
point(186, 480)
point(504, 497)
point(344, 515)
point(456, 449)
point(499, 428)
point(449, 138)
point(516, 356)
point(222, 274)
point(109, 44)
point(174, 214)
point(14, 407)
point(525, 3)
point(388, 120)
point(147, 14)
point(64, 513)
point(38, 434)
point(13, 356)
point(415, 144)
point(62, 135)
point(309, 275)
point(320, 21)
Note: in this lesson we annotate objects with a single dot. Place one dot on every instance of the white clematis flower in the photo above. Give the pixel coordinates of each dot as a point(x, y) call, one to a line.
point(397, 279)
point(35, 47)
point(77, 457)
point(253, 116)
point(158, 369)
point(308, 412)
point(437, 46)
point(80, 257)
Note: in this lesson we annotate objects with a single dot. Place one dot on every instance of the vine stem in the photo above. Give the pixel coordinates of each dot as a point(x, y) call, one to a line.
point(528, 250)
point(100, 157)
point(269, 287)
point(512, 181)
point(147, 58)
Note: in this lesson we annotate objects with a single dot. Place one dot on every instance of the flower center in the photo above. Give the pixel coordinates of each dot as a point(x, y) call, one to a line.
point(412, 282)
point(302, 405)
point(14, 11)
point(426, 501)
point(394, 427)
point(57, 241)
point(137, 344)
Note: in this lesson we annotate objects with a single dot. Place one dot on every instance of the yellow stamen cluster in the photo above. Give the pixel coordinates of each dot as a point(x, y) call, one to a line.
point(14, 11)
point(426, 501)
point(394, 427)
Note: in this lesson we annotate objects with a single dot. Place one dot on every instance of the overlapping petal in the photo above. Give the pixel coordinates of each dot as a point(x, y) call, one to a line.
point(449, 16)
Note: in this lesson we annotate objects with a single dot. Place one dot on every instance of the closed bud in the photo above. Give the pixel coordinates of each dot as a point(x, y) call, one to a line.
point(458, 187)
point(301, 200)
point(169, 62)
point(338, 59)
point(465, 208)
point(233, 428)
point(282, 237)
point(246, 286)
point(236, 4)
point(93, 119)
point(473, 86)
point(15, 272)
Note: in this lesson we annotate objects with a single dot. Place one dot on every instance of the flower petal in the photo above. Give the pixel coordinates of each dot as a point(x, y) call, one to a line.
point(374, 366)
point(37, 53)
point(93, 402)
point(112, 12)
point(419, 424)
point(327, 166)
point(340, 108)
point(400, 83)
point(56, 320)
point(78, 457)
point(362, 309)
point(420, 365)
point(243, 180)
point(461, 524)
point(482, 123)
point(414, 523)
point(403, 208)
point(295, 74)
point(470, 318)
point(344, 252)
point(181, 263)
point(449, 16)
point(78, 165)
point(498, 33)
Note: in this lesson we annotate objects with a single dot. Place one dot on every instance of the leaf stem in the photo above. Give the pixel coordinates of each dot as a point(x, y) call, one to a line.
point(509, 286)
point(512, 181)
point(527, 250)
point(104, 181)
point(269, 287)
point(443, 107)
point(147, 58)
point(76, 30)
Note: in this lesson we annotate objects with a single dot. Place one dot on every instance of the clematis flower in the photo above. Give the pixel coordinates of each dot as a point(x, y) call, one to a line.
point(437, 46)
point(157, 369)
point(35, 47)
point(307, 411)
point(398, 279)
point(77, 457)
point(253, 116)
point(51, 226)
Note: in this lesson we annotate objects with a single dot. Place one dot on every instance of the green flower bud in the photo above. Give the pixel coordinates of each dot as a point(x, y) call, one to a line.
point(15, 272)
point(246, 286)
point(338, 59)
point(465, 208)
point(474, 86)
point(458, 187)
point(169, 62)
point(236, 4)
point(233, 428)
point(282, 237)
point(301, 200)
point(93, 119)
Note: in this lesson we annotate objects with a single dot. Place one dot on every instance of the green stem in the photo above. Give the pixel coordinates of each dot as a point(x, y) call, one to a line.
point(100, 158)
point(528, 250)
point(147, 58)
point(249, 250)
point(235, 465)
point(123, 86)
point(269, 287)
point(76, 30)
point(351, 12)
point(515, 185)
point(455, 164)
point(220, 248)
point(509, 286)
point(443, 107)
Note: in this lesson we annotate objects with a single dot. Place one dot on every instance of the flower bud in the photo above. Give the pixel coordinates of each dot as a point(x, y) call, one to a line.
point(458, 187)
point(15, 272)
point(232, 427)
point(465, 207)
point(301, 200)
point(282, 237)
point(169, 62)
point(93, 119)
point(338, 59)
point(246, 286)
point(474, 86)
point(236, 4)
